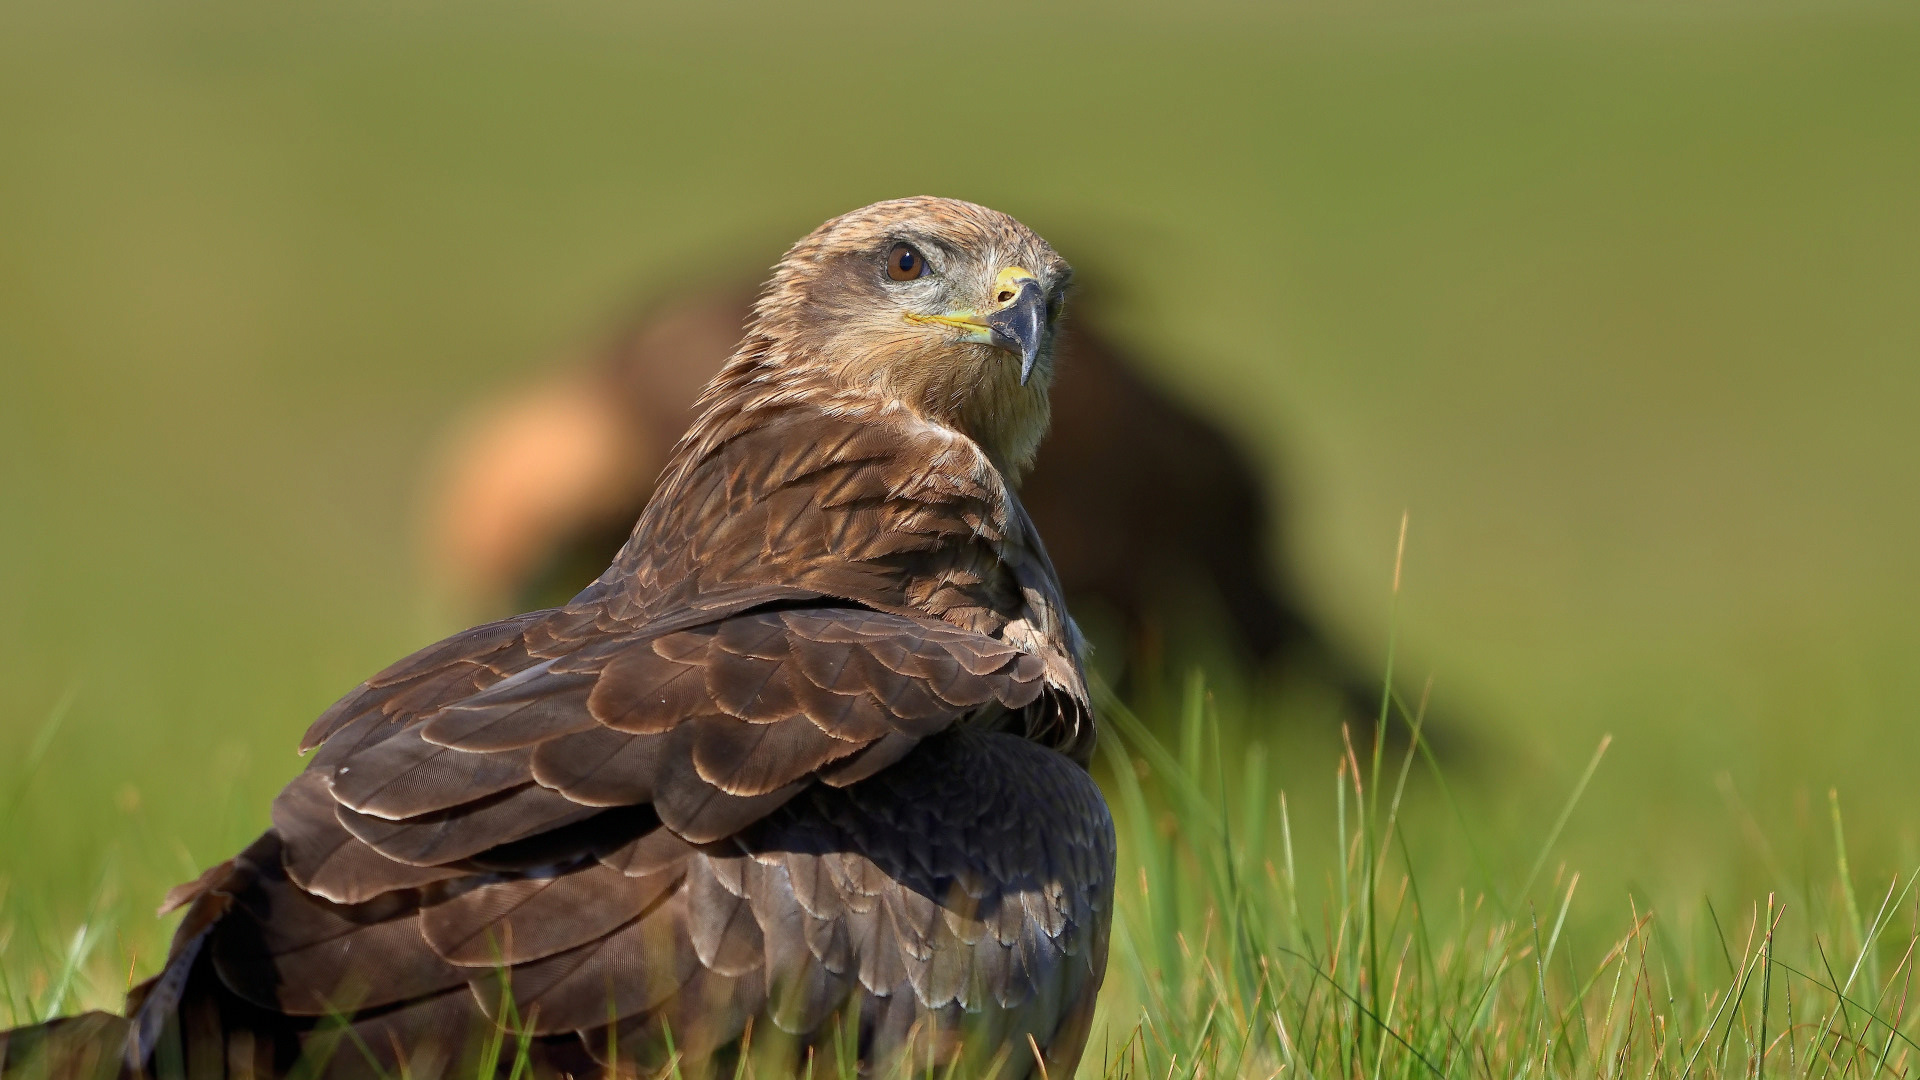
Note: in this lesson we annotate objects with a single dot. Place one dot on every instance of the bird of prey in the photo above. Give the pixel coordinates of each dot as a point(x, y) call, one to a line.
point(1145, 502)
point(805, 767)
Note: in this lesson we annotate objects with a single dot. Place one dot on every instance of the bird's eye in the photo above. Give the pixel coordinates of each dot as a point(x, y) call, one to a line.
point(904, 263)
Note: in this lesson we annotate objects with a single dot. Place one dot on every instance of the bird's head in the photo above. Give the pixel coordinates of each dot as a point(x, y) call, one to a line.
point(946, 306)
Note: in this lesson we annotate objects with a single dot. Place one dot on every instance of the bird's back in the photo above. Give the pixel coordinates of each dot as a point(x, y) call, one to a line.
point(803, 771)
point(780, 771)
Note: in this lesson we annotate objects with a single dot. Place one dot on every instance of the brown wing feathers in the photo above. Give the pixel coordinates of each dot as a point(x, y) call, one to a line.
point(383, 849)
point(895, 513)
point(797, 751)
point(712, 726)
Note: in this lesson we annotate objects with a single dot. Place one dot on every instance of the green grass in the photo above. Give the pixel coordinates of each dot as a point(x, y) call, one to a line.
point(1616, 297)
point(1382, 942)
point(1387, 956)
point(1365, 924)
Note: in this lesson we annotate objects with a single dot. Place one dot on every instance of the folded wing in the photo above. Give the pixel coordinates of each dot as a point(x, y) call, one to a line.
point(554, 814)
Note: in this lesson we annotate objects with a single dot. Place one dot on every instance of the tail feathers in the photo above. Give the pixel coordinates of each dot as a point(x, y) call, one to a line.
point(90, 1046)
point(101, 1046)
point(157, 1001)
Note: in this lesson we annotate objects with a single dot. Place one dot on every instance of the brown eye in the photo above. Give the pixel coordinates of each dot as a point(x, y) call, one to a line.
point(904, 263)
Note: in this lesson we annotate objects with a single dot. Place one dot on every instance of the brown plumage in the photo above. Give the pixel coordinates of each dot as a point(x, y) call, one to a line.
point(808, 760)
point(1143, 501)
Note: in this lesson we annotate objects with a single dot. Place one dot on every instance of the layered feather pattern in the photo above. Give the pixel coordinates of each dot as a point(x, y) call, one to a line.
point(810, 754)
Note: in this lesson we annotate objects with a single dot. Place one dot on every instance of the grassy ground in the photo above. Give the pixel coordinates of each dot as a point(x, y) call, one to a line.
point(1615, 297)
point(1260, 935)
point(1385, 955)
point(1365, 924)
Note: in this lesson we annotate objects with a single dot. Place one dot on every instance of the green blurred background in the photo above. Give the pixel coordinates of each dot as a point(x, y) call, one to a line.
point(1620, 301)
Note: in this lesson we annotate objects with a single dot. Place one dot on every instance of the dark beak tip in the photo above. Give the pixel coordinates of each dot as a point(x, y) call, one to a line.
point(1021, 326)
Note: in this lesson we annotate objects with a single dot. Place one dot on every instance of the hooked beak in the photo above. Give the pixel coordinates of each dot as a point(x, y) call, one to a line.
point(1017, 323)
point(1021, 325)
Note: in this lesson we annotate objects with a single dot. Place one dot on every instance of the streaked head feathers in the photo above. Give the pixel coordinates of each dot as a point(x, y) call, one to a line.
point(962, 334)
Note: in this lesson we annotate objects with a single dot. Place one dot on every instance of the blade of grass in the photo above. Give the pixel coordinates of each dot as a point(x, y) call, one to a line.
point(1566, 813)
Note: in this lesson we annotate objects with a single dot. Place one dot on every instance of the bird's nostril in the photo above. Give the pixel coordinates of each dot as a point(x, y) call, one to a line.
point(1005, 295)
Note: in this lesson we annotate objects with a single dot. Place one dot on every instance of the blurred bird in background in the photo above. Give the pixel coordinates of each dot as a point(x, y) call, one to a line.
point(1144, 502)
